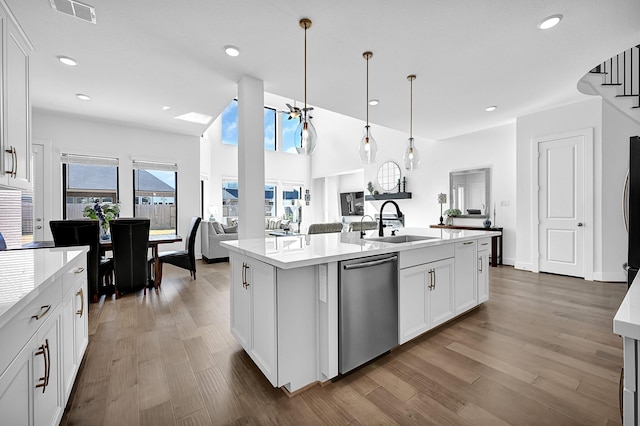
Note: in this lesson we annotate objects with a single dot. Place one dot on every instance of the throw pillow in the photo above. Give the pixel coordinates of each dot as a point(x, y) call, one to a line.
point(230, 229)
point(274, 223)
point(218, 227)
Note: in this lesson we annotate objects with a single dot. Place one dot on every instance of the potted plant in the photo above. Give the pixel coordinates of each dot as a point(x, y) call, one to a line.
point(451, 213)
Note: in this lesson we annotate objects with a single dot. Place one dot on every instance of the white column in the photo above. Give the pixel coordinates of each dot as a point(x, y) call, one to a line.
point(250, 158)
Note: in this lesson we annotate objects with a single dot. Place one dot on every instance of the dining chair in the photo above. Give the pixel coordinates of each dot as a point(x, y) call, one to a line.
point(130, 242)
point(85, 232)
point(3, 244)
point(185, 259)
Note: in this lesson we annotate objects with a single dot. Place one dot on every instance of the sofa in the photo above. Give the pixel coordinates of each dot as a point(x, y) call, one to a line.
point(211, 234)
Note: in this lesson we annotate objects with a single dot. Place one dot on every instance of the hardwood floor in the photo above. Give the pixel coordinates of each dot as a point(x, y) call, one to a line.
point(540, 351)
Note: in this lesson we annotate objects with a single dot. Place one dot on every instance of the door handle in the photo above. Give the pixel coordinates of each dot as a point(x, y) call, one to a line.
point(38, 227)
point(580, 224)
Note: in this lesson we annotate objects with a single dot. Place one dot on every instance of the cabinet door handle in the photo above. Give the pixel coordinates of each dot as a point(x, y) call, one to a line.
point(44, 351)
point(430, 279)
point(43, 313)
point(468, 242)
point(81, 310)
point(14, 161)
point(79, 270)
point(435, 279)
point(480, 260)
point(484, 244)
point(246, 283)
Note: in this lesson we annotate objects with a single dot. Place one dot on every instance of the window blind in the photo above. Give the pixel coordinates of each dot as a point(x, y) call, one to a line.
point(152, 165)
point(66, 158)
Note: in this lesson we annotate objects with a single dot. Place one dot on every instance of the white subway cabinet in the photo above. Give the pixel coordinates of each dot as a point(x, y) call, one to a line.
point(15, 120)
point(466, 270)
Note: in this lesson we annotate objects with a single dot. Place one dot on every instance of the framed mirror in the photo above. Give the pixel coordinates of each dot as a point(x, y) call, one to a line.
point(388, 175)
point(469, 192)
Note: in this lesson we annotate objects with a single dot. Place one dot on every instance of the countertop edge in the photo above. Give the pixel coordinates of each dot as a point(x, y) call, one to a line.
point(382, 248)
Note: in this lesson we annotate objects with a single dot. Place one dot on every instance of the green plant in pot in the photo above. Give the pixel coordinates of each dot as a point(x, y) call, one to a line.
point(451, 213)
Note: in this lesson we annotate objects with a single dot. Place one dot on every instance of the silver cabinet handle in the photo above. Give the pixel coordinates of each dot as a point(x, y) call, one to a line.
point(81, 310)
point(14, 161)
point(480, 260)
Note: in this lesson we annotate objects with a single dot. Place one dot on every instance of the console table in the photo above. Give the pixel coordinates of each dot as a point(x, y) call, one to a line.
point(496, 242)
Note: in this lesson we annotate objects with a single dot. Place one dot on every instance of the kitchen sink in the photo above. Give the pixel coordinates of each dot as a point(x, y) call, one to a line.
point(396, 239)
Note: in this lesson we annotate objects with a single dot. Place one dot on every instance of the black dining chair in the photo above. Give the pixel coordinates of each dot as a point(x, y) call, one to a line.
point(185, 259)
point(130, 240)
point(85, 232)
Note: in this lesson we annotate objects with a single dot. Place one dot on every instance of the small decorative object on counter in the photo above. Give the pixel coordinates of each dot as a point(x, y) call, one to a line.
point(370, 188)
point(307, 197)
point(442, 199)
point(404, 184)
point(487, 223)
point(399, 187)
point(451, 213)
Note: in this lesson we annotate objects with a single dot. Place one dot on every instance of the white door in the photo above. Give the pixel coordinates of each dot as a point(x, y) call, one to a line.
point(37, 152)
point(561, 205)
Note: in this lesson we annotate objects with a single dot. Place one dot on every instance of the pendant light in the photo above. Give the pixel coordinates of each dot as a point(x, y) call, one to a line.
point(368, 146)
point(305, 139)
point(411, 154)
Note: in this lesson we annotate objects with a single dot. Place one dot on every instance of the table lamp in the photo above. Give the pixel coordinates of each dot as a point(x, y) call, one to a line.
point(442, 198)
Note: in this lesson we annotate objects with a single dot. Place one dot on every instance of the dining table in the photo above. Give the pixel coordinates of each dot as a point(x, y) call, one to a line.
point(106, 245)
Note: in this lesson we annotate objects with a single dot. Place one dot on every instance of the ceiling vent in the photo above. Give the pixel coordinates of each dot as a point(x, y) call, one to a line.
point(74, 8)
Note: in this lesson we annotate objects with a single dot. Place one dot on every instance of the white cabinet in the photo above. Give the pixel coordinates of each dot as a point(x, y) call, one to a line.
point(483, 269)
point(465, 294)
point(15, 120)
point(253, 311)
point(44, 345)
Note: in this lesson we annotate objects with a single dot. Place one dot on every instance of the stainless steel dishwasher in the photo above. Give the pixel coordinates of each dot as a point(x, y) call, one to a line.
point(368, 309)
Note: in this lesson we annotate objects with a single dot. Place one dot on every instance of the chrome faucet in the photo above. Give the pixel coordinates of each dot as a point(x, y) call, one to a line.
point(362, 233)
point(381, 225)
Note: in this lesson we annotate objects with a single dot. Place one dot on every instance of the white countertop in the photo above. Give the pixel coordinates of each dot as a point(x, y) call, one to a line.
point(627, 320)
point(304, 250)
point(26, 273)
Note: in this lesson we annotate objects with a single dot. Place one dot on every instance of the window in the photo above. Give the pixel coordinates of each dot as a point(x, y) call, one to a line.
point(230, 199)
point(155, 195)
point(291, 196)
point(288, 133)
point(230, 126)
point(86, 181)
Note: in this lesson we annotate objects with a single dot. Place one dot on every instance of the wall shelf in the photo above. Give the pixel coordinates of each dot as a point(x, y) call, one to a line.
point(388, 196)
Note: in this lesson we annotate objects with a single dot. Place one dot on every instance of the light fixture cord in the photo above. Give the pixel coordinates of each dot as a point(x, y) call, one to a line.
point(367, 96)
point(305, 72)
point(411, 110)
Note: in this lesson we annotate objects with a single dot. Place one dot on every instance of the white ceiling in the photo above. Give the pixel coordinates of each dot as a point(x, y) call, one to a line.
point(467, 54)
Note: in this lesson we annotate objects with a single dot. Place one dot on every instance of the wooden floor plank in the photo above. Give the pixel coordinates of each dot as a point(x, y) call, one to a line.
point(541, 351)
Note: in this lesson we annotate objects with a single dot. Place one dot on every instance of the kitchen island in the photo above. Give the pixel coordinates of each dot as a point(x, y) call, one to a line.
point(43, 330)
point(284, 293)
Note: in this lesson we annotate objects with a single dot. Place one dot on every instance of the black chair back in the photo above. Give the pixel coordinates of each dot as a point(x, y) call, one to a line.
point(130, 239)
point(81, 232)
point(3, 244)
point(190, 243)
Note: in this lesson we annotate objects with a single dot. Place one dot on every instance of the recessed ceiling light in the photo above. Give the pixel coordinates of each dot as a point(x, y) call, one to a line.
point(195, 117)
point(164, 108)
point(491, 108)
point(550, 22)
point(68, 61)
point(231, 50)
point(374, 102)
point(83, 97)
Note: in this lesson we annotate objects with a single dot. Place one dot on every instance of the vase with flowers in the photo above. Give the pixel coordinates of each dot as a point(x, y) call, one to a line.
point(104, 212)
point(451, 213)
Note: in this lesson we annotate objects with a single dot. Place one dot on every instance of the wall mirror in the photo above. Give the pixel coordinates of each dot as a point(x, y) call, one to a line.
point(469, 192)
point(388, 175)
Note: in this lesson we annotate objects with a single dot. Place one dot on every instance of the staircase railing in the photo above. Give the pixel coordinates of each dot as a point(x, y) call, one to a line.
point(623, 70)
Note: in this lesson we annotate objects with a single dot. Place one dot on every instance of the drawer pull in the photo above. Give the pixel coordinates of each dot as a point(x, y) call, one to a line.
point(46, 354)
point(79, 270)
point(468, 242)
point(81, 310)
point(484, 244)
point(46, 308)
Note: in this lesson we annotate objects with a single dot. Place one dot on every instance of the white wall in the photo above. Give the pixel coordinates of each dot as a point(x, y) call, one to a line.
point(78, 135)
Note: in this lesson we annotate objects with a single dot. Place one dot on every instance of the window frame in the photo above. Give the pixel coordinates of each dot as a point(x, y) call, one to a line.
point(138, 165)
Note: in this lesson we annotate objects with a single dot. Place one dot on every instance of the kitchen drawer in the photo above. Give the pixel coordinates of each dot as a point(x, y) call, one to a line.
point(424, 255)
point(17, 332)
point(484, 243)
point(74, 278)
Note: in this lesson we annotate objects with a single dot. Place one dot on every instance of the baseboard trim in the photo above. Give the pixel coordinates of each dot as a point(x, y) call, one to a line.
point(610, 276)
point(523, 266)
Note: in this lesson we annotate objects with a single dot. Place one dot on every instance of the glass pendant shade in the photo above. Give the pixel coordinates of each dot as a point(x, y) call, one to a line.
point(368, 147)
point(411, 156)
point(305, 136)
